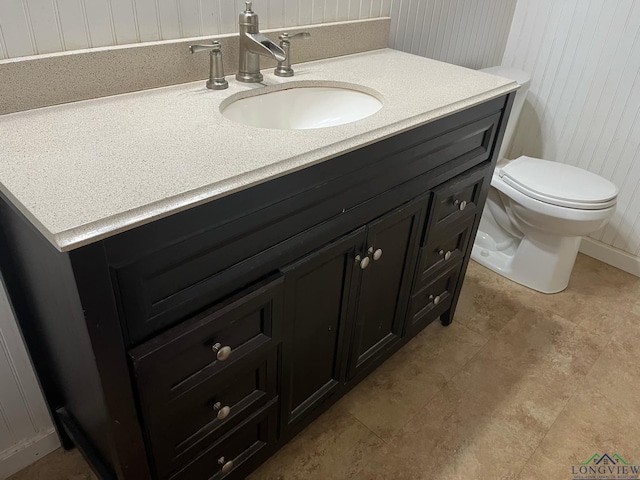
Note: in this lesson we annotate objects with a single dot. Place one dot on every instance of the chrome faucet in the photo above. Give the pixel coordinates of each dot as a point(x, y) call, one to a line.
point(252, 45)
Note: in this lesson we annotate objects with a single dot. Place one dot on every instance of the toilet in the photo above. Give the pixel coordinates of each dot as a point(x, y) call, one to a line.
point(537, 211)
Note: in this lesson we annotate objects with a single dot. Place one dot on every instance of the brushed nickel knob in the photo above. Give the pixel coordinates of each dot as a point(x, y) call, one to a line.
point(222, 353)
point(363, 262)
point(463, 205)
point(223, 412)
point(377, 255)
point(436, 300)
point(226, 466)
point(447, 255)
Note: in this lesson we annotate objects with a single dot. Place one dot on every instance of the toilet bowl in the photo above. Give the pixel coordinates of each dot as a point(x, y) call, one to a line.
point(537, 212)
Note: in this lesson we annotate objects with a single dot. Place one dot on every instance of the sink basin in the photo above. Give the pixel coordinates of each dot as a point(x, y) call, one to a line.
point(302, 108)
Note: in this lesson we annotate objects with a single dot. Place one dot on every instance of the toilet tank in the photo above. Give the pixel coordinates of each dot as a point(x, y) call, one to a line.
point(523, 79)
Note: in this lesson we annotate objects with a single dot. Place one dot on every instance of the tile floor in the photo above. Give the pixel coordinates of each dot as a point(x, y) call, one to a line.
point(521, 386)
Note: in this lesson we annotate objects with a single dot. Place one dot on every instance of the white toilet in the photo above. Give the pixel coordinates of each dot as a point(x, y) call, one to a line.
point(537, 211)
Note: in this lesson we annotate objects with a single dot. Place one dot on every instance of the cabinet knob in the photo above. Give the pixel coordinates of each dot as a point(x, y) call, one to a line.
point(226, 466)
point(460, 204)
point(446, 255)
point(223, 412)
point(435, 300)
point(377, 255)
point(222, 353)
point(363, 262)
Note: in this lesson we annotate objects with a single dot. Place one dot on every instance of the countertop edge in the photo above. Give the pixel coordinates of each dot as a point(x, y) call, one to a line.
point(77, 237)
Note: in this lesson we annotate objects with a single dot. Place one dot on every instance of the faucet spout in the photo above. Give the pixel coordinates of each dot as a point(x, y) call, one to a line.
point(261, 45)
point(254, 44)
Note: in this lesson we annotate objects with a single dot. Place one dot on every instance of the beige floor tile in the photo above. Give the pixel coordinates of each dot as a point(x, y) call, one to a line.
point(483, 305)
point(458, 435)
point(616, 374)
point(387, 399)
point(590, 424)
point(58, 465)
point(334, 446)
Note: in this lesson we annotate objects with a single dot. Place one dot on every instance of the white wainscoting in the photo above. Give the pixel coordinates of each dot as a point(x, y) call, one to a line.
point(471, 33)
point(465, 32)
point(584, 104)
point(31, 27)
point(26, 431)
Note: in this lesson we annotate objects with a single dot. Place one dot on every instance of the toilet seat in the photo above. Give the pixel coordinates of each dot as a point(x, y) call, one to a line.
point(559, 184)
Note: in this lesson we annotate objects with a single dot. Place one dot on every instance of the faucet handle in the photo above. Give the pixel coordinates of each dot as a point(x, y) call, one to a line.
point(284, 67)
point(248, 6)
point(285, 37)
point(215, 46)
point(216, 69)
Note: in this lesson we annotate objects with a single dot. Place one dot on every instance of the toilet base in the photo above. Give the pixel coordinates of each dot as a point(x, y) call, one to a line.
point(539, 261)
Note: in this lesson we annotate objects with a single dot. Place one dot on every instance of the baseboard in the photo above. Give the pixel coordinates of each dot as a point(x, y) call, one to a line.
point(611, 255)
point(27, 452)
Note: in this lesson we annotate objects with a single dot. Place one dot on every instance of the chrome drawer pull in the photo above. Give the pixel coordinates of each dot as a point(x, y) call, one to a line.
point(226, 466)
point(222, 353)
point(435, 300)
point(223, 412)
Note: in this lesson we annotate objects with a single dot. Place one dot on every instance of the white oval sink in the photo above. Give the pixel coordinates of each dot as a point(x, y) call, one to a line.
point(303, 108)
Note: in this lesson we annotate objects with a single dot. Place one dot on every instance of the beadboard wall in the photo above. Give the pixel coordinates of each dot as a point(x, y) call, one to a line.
point(26, 431)
point(583, 107)
point(31, 27)
point(465, 32)
point(470, 33)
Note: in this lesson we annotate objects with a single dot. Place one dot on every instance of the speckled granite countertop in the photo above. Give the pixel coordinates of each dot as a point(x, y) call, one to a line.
point(85, 171)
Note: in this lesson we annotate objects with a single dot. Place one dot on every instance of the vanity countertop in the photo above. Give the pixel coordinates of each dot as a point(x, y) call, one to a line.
point(85, 171)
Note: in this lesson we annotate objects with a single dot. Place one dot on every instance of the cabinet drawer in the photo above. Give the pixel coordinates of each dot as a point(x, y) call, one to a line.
point(445, 247)
point(194, 420)
point(220, 338)
point(238, 452)
point(433, 300)
point(456, 199)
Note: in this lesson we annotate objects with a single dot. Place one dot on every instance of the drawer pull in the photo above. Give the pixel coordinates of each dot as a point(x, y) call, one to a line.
point(446, 255)
point(223, 412)
point(377, 255)
point(435, 300)
point(363, 262)
point(460, 204)
point(222, 353)
point(226, 466)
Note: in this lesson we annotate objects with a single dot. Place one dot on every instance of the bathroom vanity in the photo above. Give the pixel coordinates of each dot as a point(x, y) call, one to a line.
point(191, 335)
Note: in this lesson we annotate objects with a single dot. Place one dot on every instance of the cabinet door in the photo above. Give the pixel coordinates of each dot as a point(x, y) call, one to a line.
point(392, 250)
point(318, 292)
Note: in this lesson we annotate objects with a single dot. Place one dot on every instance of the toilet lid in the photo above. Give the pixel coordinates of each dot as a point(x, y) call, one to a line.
point(559, 184)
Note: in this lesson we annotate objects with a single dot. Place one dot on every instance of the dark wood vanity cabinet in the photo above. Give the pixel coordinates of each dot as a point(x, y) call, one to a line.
point(195, 346)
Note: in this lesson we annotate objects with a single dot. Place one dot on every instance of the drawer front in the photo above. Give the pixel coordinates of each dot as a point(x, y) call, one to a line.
point(194, 420)
point(445, 247)
point(237, 453)
point(220, 339)
point(433, 300)
point(456, 199)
